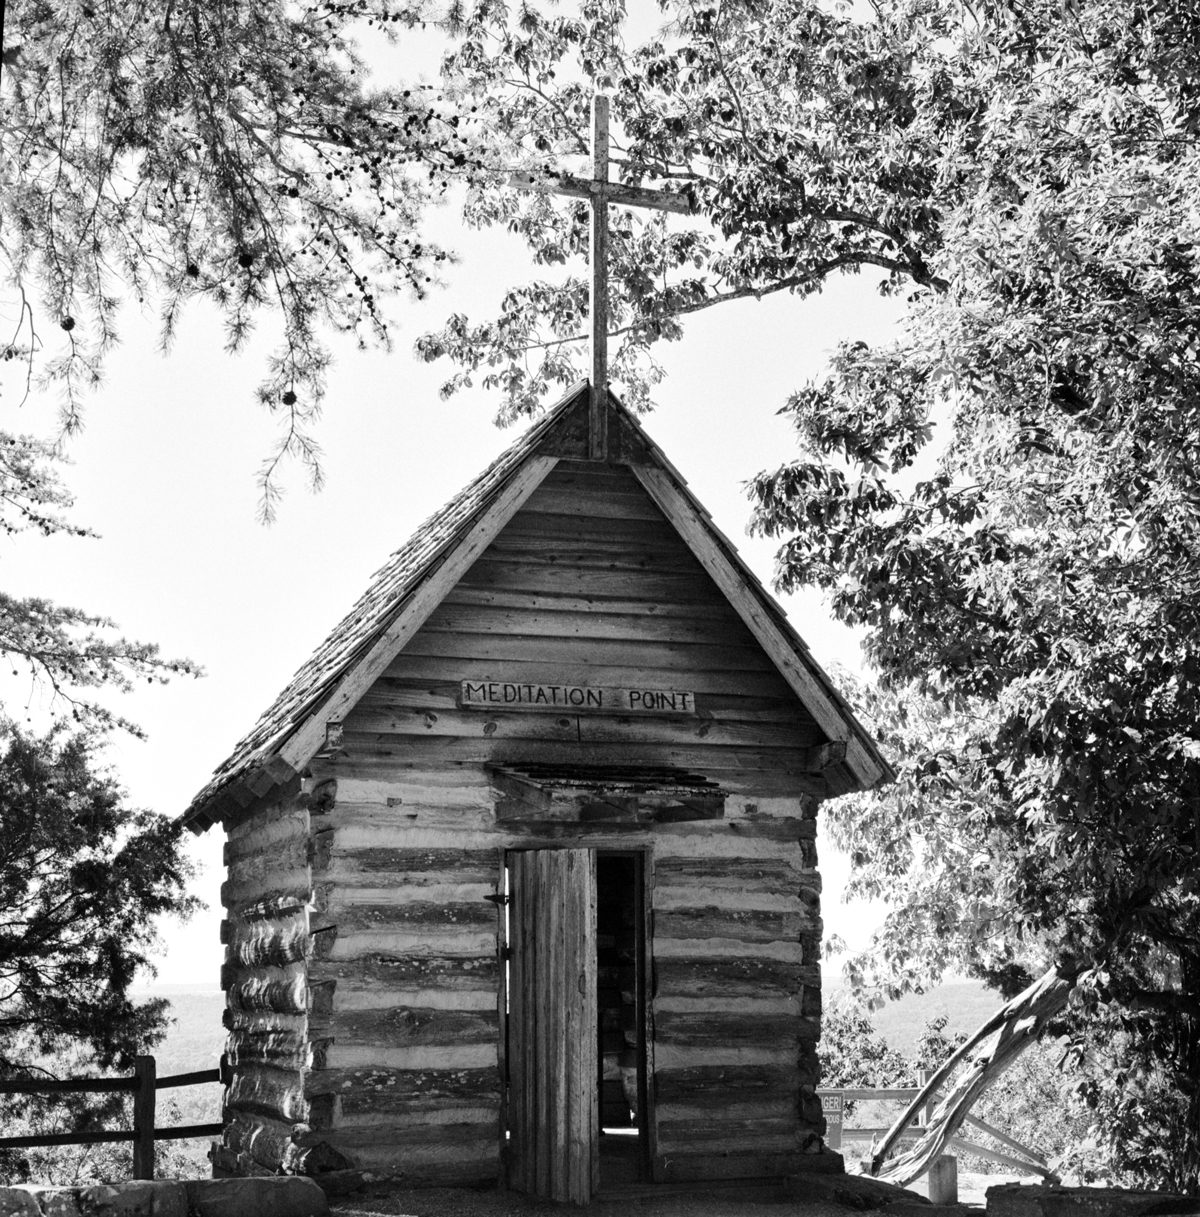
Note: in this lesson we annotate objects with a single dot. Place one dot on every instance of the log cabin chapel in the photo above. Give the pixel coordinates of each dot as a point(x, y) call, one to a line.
point(521, 872)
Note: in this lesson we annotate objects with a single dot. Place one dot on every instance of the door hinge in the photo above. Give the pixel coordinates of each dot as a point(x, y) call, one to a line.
point(499, 899)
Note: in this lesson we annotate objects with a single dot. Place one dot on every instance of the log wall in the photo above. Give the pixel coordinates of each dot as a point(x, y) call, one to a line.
point(410, 1084)
point(409, 943)
point(737, 1001)
point(271, 1036)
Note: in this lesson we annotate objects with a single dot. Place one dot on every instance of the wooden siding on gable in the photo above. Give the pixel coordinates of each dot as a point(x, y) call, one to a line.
point(541, 528)
point(589, 585)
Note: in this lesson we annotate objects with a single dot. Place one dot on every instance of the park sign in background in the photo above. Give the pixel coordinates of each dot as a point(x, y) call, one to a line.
point(831, 1108)
point(516, 695)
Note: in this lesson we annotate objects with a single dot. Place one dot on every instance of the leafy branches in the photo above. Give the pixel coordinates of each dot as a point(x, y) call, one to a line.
point(64, 649)
point(1029, 596)
point(238, 153)
point(81, 880)
point(772, 119)
point(230, 152)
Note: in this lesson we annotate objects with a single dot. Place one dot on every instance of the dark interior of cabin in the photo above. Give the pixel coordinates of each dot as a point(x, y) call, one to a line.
point(620, 968)
point(621, 971)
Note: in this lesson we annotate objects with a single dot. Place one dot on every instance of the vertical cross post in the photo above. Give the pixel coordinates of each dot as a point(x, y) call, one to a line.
point(598, 294)
point(599, 192)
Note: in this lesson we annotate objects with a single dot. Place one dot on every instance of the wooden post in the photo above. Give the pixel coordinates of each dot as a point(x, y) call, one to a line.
point(943, 1171)
point(144, 1075)
point(923, 1076)
point(598, 293)
point(943, 1180)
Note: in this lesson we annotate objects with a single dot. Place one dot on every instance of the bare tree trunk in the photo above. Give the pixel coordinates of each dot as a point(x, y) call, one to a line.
point(990, 1050)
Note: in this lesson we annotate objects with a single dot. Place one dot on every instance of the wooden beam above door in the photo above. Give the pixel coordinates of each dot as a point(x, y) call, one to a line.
point(533, 798)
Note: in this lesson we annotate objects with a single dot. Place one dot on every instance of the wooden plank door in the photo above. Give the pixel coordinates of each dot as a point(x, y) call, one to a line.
point(552, 1016)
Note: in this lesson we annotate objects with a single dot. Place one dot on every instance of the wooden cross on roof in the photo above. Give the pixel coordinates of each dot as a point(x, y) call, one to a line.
point(600, 192)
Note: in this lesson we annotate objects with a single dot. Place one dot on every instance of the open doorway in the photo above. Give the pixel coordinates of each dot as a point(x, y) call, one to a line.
point(574, 1011)
point(621, 1015)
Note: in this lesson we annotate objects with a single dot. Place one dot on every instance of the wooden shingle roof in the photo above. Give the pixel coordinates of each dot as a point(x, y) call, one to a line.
point(414, 579)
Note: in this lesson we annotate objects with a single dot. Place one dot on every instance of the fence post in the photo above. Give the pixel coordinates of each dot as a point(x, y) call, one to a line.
point(923, 1076)
point(144, 1074)
point(943, 1170)
point(943, 1180)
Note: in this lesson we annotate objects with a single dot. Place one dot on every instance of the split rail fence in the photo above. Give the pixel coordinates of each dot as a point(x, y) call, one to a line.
point(143, 1085)
point(943, 1172)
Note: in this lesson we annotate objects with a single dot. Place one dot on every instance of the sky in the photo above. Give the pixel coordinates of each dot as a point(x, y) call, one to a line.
point(164, 471)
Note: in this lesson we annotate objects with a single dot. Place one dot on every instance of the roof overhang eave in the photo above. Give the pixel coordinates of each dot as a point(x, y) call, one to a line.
point(243, 790)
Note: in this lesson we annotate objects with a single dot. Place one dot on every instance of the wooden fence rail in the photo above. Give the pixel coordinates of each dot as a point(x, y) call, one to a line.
point(1015, 1155)
point(143, 1085)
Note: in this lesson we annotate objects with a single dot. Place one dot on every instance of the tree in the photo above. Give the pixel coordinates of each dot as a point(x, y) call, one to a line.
point(1038, 1105)
point(82, 876)
point(237, 153)
point(984, 884)
point(1133, 1120)
point(227, 152)
point(68, 651)
point(807, 139)
point(83, 879)
point(853, 1054)
point(1037, 588)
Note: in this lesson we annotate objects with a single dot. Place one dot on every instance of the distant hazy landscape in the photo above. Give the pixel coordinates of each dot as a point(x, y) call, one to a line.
point(195, 1040)
point(966, 1004)
point(196, 1037)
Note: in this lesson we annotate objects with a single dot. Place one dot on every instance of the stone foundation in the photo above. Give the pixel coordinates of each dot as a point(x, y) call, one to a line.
point(278, 1197)
point(1035, 1200)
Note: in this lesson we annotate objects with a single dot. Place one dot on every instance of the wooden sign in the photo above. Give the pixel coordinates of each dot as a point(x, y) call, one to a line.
point(589, 699)
point(831, 1107)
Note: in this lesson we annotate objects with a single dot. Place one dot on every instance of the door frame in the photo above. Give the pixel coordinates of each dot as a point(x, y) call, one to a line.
point(643, 854)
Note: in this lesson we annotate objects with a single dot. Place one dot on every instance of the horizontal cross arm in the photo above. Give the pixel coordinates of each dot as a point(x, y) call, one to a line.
point(613, 192)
